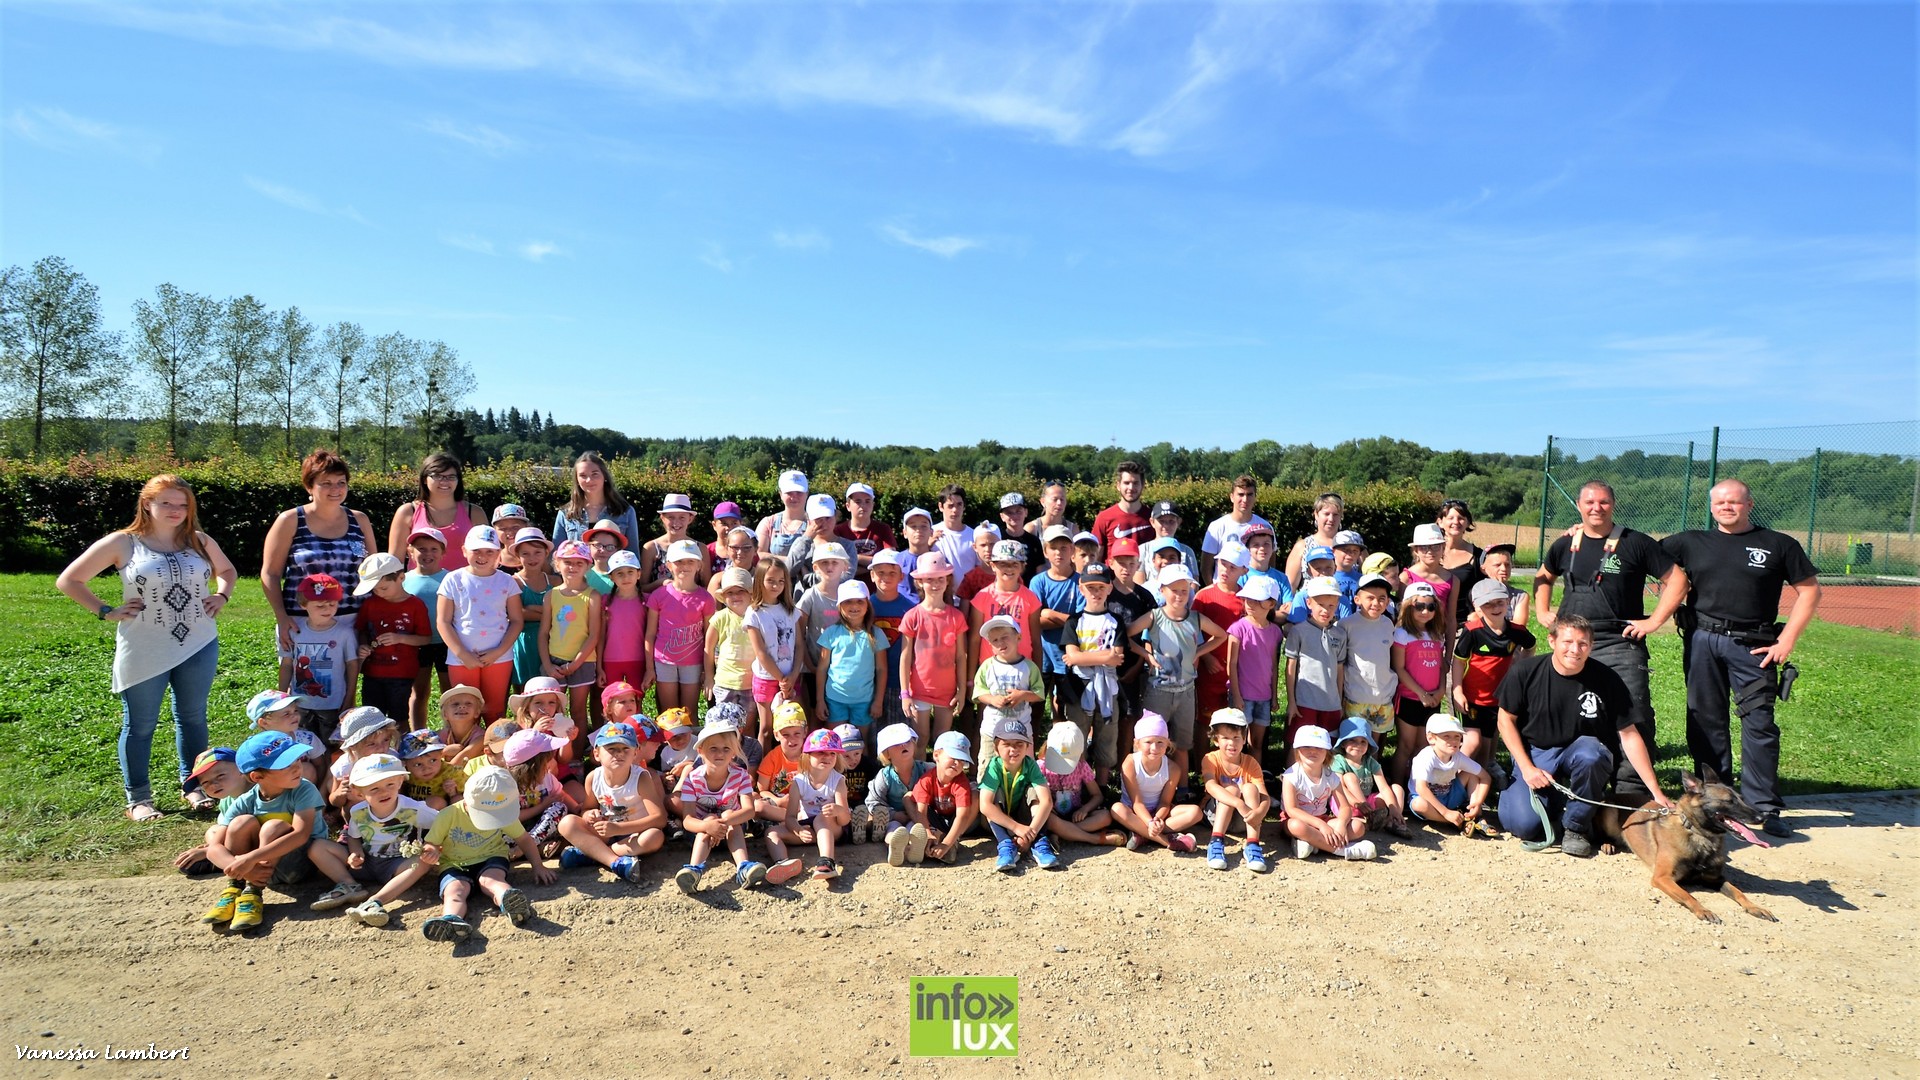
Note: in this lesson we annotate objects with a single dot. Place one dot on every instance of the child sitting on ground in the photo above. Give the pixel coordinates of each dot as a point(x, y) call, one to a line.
point(1439, 792)
point(773, 779)
point(943, 805)
point(858, 771)
point(263, 832)
point(816, 808)
point(277, 710)
point(219, 780)
point(431, 780)
point(1365, 782)
point(461, 727)
point(891, 790)
point(469, 843)
point(716, 801)
point(1235, 787)
point(382, 843)
point(628, 815)
point(1317, 813)
point(1253, 659)
point(1015, 799)
point(1147, 783)
point(1077, 811)
point(364, 731)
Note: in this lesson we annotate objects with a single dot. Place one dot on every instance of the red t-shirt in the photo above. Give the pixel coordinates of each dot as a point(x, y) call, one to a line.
point(943, 799)
point(1225, 609)
point(936, 635)
point(1022, 607)
point(977, 578)
point(1114, 523)
point(376, 617)
point(865, 541)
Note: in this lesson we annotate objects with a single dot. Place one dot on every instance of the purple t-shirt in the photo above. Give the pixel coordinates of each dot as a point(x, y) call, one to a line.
point(681, 636)
point(1258, 647)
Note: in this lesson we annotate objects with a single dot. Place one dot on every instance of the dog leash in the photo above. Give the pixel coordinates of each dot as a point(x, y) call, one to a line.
point(1546, 820)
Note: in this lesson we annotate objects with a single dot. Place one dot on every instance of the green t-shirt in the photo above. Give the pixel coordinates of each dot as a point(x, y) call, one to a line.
point(1366, 771)
point(462, 843)
point(1011, 791)
point(282, 806)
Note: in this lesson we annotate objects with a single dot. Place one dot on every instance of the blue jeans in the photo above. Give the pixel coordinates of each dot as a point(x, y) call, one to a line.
point(1584, 765)
point(191, 680)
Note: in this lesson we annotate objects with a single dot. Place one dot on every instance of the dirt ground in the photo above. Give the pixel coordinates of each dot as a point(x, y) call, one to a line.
point(1447, 956)
point(1876, 607)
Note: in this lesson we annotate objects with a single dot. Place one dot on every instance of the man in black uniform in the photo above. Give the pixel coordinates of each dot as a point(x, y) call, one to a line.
point(1734, 642)
point(1606, 567)
point(1565, 718)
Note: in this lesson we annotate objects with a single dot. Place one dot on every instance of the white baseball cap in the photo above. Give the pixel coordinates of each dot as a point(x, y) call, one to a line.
point(895, 735)
point(852, 590)
point(1444, 724)
point(829, 550)
point(374, 768)
point(793, 480)
point(859, 489)
point(682, 550)
point(492, 798)
point(820, 506)
point(373, 568)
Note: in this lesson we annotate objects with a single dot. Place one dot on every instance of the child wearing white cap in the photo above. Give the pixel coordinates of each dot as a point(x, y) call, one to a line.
point(1147, 784)
point(480, 619)
point(656, 555)
point(1318, 815)
point(818, 607)
point(1439, 787)
point(470, 842)
point(1316, 661)
point(1485, 650)
point(1429, 547)
point(381, 842)
point(850, 666)
point(891, 790)
point(823, 518)
point(391, 625)
point(1235, 788)
point(677, 614)
point(1006, 685)
point(1078, 813)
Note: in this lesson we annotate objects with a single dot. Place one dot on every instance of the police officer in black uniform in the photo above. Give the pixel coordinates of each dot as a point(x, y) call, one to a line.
point(1605, 567)
point(1734, 642)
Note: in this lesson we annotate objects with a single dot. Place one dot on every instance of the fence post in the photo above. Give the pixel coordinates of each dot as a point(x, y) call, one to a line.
point(1686, 490)
point(1813, 501)
point(1713, 474)
point(1546, 491)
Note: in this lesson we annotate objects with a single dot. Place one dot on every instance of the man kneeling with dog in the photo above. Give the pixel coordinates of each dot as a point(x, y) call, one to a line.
point(1563, 719)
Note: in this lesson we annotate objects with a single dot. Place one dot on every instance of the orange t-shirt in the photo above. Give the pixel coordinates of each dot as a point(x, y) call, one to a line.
point(776, 770)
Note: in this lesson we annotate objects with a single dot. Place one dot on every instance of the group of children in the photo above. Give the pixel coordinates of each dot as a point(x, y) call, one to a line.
point(906, 650)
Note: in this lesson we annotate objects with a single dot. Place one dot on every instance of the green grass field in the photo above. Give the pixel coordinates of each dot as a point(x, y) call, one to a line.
point(1850, 726)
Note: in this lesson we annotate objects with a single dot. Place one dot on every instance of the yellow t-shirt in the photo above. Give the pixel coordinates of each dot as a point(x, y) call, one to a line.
point(462, 843)
point(732, 651)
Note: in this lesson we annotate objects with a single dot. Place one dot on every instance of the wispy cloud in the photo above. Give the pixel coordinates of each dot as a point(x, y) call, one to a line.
point(944, 246)
point(473, 242)
point(300, 200)
point(538, 250)
point(61, 130)
point(716, 256)
point(479, 136)
point(801, 239)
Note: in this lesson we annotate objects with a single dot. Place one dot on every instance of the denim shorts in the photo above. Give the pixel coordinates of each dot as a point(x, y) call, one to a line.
point(680, 674)
point(1259, 713)
point(1453, 797)
point(379, 871)
point(841, 712)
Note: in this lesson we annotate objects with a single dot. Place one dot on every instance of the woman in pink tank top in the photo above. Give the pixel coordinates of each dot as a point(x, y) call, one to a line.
point(442, 505)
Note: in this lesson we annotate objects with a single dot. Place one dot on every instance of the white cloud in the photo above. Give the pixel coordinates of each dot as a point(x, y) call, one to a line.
point(716, 257)
point(479, 136)
point(538, 250)
point(944, 246)
point(300, 200)
point(801, 239)
point(59, 129)
point(473, 242)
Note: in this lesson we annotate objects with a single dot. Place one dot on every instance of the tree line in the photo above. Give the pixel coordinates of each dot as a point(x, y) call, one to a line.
point(208, 375)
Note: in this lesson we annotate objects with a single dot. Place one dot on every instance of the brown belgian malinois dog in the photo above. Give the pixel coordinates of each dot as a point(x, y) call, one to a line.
point(1689, 844)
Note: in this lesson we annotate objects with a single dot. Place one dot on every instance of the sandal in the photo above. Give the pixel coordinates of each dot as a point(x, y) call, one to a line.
point(143, 812)
point(198, 801)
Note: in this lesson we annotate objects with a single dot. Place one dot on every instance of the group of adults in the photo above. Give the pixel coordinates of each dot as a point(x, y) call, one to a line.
point(1581, 713)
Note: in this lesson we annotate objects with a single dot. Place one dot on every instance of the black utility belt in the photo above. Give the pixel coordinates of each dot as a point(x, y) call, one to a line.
point(1768, 632)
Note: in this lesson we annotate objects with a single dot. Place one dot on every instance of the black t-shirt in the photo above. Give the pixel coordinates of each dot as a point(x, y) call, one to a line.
point(1128, 607)
point(1555, 709)
point(1738, 576)
point(1622, 577)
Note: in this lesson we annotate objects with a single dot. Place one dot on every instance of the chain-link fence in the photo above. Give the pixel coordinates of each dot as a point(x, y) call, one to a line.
point(1849, 493)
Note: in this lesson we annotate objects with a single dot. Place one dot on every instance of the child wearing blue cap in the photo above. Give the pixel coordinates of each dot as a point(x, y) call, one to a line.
point(218, 780)
point(1365, 781)
point(431, 779)
point(628, 817)
point(264, 832)
point(277, 710)
point(942, 805)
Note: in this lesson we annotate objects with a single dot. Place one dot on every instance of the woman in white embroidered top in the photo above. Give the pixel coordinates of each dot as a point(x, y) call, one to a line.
point(173, 580)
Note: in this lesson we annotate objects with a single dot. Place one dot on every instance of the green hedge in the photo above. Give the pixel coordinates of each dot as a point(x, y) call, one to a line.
point(50, 511)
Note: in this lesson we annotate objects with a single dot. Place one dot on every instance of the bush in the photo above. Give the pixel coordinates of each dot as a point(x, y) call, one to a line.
point(50, 511)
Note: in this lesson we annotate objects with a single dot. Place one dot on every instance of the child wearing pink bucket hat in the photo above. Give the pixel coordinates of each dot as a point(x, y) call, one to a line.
point(933, 652)
point(1147, 783)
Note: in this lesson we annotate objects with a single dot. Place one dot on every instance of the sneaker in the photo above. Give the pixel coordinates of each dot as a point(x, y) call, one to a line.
point(824, 870)
point(751, 874)
point(249, 911)
point(783, 871)
point(688, 878)
point(1217, 854)
point(446, 928)
point(860, 826)
point(627, 867)
point(1183, 843)
point(222, 909)
point(515, 906)
point(1773, 826)
point(917, 841)
point(1577, 845)
point(1256, 857)
point(1358, 851)
point(1302, 849)
point(897, 845)
point(368, 914)
point(1008, 855)
point(1044, 854)
point(339, 896)
point(1134, 841)
point(1401, 831)
point(572, 858)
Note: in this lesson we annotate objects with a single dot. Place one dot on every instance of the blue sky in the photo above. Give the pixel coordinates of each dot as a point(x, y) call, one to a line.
point(1466, 225)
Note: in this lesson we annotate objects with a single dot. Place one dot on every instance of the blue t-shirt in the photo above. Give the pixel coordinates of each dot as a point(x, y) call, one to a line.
point(1061, 596)
point(427, 588)
point(850, 674)
point(886, 618)
point(281, 807)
